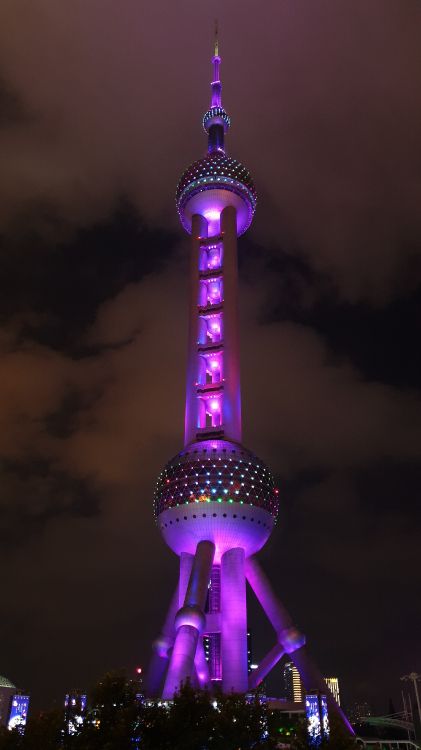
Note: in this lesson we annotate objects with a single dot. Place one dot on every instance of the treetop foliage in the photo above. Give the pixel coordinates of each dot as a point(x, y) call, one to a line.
point(120, 719)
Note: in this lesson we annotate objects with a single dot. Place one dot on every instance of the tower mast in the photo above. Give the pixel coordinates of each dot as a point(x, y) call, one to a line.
point(213, 397)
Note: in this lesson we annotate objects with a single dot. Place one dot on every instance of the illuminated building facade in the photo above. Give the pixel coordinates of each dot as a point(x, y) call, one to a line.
point(7, 689)
point(74, 711)
point(215, 502)
point(318, 728)
point(333, 685)
point(18, 714)
point(293, 687)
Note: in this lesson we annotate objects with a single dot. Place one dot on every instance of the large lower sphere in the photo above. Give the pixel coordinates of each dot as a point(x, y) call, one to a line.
point(211, 184)
point(218, 491)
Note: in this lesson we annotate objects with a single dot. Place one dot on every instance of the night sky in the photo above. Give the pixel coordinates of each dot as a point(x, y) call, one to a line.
point(100, 112)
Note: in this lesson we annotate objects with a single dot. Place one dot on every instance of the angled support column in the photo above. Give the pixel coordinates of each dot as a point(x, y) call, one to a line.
point(190, 620)
point(186, 564)
point(266, 665)
point(233, 622)
point(200, 663)
point(159, 659)
point(290, 638)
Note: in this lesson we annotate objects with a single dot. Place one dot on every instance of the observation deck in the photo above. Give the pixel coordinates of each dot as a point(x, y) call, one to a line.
point(217, 490)
point(212, 183)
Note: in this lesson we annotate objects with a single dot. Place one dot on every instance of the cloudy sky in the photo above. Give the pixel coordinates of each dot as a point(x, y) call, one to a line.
point(100, 112)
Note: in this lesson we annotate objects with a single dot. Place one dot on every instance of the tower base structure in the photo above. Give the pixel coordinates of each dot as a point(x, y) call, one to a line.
point(179, 651)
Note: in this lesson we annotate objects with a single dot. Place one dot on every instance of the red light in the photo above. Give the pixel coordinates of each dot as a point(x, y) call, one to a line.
point(139, 670)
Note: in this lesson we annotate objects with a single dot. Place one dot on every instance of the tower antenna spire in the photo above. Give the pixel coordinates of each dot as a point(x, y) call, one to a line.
point(216, 121)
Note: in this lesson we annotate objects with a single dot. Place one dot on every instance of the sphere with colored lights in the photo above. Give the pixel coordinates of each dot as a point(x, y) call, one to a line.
point(218, 491)
point(211, 184)
point(216, 116)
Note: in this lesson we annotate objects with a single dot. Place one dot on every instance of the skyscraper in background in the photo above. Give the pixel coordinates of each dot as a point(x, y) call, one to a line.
point(293, 687)
point(74, 711)
point(333, 685)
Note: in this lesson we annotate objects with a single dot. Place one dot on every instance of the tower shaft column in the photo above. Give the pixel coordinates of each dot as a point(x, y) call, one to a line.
point(232, 395)
point(199, 229)
point(190, 620)
point(234, 622)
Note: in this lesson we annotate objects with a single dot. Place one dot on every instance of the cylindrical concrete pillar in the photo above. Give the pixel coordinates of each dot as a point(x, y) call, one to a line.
point(232, 396)
point(182, 660)
point(163, 643)
point(199, 229)
point(190, 619)
point(186, 563)
point(197, 588)
point(233, 622)
point(273, 608)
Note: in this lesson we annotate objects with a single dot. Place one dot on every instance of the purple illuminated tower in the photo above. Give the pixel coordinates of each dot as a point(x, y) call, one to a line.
point(215, 501)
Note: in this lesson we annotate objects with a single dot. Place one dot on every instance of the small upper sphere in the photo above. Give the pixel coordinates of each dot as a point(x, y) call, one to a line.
point(216, 490)
point(216, 116)
point(211, 184)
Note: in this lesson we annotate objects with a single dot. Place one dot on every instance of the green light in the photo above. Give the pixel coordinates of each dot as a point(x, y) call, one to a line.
point(219, 499)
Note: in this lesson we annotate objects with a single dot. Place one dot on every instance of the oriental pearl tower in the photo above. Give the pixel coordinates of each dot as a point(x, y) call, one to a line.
point(215, 502)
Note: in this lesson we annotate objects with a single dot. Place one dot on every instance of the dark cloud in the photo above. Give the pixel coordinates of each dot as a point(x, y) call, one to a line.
point(34, 494)
point(380, 342)
point(100, 110)
point(12, 110)
point(56, 287)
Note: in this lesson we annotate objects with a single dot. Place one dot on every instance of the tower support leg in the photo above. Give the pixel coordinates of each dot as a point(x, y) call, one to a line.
point(234, 622)
point(290, 638)
point(190, 620)
point(159, 659)
point(186, 564)
point(266, 665)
